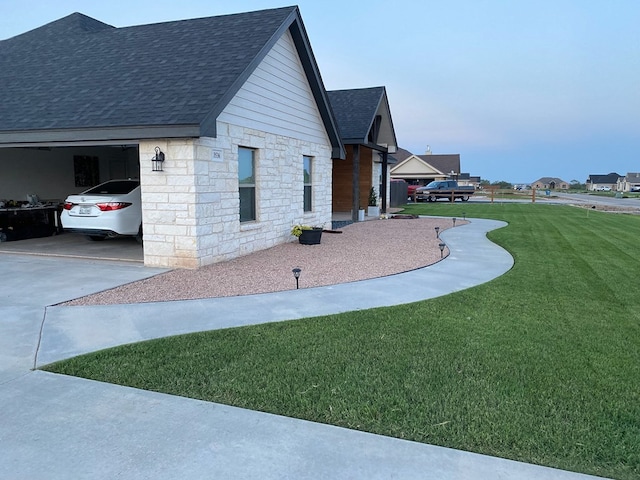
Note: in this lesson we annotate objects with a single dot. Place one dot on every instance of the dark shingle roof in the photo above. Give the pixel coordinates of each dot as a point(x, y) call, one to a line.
point(166, 73)
point(401, 155)
point(78, 73)
point(446, 163)
point(608, 178)
point(74, 24)
point(549, 180)
point(355, 111)
point(633, 177)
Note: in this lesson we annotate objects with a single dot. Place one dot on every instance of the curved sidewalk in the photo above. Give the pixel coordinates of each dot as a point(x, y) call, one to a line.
point(59, 427)
point(473, 260)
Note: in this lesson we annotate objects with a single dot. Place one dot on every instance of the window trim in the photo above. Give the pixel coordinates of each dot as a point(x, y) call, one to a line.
point(248, 186)
point(307, 185)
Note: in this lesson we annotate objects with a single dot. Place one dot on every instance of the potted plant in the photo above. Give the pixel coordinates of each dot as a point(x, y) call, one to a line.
point(373, 210)
point(307, 235)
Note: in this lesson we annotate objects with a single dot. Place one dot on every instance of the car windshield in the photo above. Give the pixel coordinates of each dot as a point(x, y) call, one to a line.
point(432, 184)
point(118, 187)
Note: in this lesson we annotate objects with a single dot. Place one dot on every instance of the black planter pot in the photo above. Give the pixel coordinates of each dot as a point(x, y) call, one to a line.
point(310, 237)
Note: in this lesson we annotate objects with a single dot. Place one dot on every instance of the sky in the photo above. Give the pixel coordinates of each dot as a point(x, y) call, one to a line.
point(520, 89)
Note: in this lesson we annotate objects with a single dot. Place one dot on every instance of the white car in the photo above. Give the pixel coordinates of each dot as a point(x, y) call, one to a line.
point(110, 209)
point(604, 189)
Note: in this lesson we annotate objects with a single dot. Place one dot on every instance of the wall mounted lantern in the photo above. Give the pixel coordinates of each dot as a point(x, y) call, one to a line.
point(157, 161)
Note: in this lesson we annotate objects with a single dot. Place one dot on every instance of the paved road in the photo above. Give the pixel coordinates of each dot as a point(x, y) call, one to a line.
point(631, 205)
point(585, 199)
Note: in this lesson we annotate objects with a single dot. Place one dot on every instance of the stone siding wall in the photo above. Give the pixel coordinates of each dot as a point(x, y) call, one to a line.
point(191, 209)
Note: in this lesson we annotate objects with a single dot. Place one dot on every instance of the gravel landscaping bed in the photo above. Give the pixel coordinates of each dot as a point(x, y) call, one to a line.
point(361, 251)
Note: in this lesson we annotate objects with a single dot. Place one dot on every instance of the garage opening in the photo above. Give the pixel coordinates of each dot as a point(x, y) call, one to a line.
point(35, 181)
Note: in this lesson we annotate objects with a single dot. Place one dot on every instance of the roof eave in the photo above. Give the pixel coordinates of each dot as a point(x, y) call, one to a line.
point(303, 45)
point(71, 135)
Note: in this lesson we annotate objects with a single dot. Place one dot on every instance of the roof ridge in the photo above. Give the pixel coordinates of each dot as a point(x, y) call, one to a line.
point(73, 24)
point(225, 15)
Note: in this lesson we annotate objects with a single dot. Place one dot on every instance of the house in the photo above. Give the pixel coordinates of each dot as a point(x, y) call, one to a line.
point(235, 103)
point(466, 179)
point(603, 182)
point(629, 183)
point(366, 129)
point(550, 183)
point(422, 169)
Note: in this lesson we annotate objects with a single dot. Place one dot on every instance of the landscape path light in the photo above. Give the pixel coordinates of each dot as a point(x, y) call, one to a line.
point(442, 245)
point(296, 273)
point(464, 215)
point(454, 221)
point(437, 229)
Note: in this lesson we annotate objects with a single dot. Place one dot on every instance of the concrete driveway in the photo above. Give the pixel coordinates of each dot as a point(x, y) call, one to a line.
point(58, 427)
point(72, 245)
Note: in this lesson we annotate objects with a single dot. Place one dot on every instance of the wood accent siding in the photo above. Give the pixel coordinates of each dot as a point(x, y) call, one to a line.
point(342, 175)
point(277, 98)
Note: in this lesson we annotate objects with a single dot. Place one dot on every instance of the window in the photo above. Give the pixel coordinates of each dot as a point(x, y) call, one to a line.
point(307, 161)
point(247, 184)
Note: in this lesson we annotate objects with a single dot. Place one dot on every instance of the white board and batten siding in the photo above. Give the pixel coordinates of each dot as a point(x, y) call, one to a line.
point(277, 98)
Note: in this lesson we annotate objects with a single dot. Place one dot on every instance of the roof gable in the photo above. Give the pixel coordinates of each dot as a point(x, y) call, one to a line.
point(356, 111)
point(134, 82)
point(401, 154)
point(276, 98)
point(414, 165)
point(421, 166)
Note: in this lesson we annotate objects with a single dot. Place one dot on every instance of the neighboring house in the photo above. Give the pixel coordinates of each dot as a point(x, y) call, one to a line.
point(236, 104)
point(422, 169)
point(465, 179)
point(401, 154)
point(601, 182)
point(630, 182)
point(366, 128)
point(550, 183)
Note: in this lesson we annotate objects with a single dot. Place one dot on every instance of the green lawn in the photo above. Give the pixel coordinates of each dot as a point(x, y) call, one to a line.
point(541, 365)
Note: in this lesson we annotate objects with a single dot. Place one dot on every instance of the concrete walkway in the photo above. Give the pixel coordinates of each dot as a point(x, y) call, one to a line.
point(56, 427)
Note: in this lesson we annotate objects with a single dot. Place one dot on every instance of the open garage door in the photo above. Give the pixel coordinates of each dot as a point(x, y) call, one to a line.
point(35, 181)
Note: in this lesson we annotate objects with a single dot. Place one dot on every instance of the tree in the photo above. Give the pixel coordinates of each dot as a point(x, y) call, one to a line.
point(576, 185)
point(502, 184)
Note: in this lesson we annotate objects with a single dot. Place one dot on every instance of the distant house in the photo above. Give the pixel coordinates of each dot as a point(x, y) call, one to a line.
point(235, 103)
point(466, 179)
point(550, 183)
point(600, 182)
point(422, 169)
point(366, 130)
point(630, 182)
